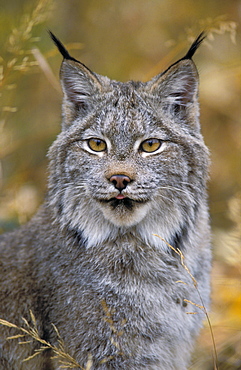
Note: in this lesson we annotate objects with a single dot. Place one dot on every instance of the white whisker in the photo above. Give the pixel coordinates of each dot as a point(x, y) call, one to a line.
point(177, 189)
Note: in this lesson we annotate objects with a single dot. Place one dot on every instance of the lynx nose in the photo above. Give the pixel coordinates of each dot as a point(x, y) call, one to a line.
point(120, 182)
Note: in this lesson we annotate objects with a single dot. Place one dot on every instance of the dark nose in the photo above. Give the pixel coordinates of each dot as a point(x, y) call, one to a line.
point(120, 182)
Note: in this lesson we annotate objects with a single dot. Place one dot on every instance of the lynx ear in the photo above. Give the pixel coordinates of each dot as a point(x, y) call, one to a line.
point(177, 88)
point(79, 85)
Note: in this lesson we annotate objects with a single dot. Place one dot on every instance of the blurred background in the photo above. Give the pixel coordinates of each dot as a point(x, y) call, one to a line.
point(128, 39)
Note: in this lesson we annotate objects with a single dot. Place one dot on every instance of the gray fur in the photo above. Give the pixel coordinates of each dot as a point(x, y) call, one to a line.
point(88, 262)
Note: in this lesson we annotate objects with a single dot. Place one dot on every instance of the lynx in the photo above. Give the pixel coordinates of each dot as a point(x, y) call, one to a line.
point(102, 259)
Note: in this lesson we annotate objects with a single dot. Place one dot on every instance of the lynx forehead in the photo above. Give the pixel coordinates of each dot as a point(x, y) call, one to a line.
point(129, 163)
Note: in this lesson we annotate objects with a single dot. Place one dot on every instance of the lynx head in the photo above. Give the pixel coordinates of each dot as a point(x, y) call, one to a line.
point(130, 155)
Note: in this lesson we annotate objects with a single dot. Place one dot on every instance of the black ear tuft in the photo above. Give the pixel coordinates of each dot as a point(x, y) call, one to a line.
point(194, 46)
point(61, 48)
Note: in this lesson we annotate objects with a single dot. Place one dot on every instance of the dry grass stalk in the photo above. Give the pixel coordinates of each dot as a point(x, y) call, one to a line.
point(202, 306)
point(28, 21)
point(65, 360)
point(115, 331)
point(19, 56)
point(44, 66)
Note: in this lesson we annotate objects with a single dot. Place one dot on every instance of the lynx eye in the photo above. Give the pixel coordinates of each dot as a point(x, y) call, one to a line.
point(97, 145)
point(150, 145)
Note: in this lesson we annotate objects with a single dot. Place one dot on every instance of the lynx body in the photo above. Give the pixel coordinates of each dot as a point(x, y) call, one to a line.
point(129, 163)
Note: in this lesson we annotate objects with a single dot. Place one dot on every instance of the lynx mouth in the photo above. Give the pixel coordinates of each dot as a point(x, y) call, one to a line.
point(126, 202)
point(123, 202)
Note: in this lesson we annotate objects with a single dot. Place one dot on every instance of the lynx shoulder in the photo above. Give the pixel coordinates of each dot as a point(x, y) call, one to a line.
point(126, 197)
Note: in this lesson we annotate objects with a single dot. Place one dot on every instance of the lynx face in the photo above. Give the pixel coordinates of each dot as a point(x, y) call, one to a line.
point(130, 154)
point(121, 180)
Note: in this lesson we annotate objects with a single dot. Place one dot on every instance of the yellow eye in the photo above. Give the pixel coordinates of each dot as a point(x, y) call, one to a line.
point(150, 145)
point(97, 145)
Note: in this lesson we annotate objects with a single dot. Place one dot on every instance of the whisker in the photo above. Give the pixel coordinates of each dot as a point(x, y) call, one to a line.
point(166, 198)
point(176, 189)
point(71, 186)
